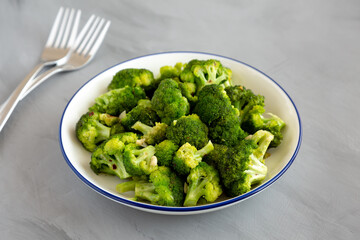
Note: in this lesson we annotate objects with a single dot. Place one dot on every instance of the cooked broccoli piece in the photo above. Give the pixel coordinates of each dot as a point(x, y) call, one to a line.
point(244, 100)
point(204, 182)
point(108, 157)
point(165, 151)
point(118, 100)
point(188, 157)
point(243, 166)
point(187, 75)
point(133, 77)
point(117, 128)
point(140, 161)
point(226, 130)
point(168, 102)
point(204, 72)
point(216, 155)
point(91, 131)
point(171, 71)
point(213, 103)
point(256, 121)
point(152, 135)
point(108, 119)
point(188, 129)
point(163, 188)
point(143, 112)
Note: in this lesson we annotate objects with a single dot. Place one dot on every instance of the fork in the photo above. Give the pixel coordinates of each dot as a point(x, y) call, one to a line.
point(86, 45)
point(56, 51)
point(84, 49)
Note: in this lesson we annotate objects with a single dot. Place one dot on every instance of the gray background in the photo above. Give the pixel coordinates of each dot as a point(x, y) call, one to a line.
point(311, 48)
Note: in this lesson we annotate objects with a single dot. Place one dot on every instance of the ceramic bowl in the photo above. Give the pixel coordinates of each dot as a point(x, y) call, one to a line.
point(276, 99)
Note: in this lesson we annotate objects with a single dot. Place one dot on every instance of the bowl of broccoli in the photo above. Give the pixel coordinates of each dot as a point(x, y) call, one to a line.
point(180, 132)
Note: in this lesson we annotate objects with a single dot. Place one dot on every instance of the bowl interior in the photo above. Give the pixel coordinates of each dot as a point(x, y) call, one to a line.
point(276, 100)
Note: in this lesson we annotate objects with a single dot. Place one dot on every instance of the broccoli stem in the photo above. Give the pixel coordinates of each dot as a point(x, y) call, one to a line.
point(205, 150)
point(195, 192)
point(257, 170)
point(121, 167)
point(126, 186)
point(145, 129)
point(262, 139)
point(103, 132)
point(146, 191)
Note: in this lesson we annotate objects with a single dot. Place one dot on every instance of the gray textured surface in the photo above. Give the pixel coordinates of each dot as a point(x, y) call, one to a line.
point(310, 47)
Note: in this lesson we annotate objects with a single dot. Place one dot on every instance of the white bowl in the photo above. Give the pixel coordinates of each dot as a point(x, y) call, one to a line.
point(276, 99)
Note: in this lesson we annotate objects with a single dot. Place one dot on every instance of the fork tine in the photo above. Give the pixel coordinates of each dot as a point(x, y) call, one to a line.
point(62, 28)
point(93, 37)
point(54, 28)
point(100, 38)
point(74, 29)
point(88, 35)
point(79, 38)
point(67, 29)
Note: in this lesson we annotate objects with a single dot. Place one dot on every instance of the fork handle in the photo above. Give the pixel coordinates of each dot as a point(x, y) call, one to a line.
point(9, 105)
point(41, 78)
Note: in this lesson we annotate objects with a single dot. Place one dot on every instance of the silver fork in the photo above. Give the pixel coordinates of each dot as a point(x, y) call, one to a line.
point(86, 45)
point(56, 51)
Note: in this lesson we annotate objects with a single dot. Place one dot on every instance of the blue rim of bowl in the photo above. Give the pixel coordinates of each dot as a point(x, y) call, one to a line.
point(183, 209)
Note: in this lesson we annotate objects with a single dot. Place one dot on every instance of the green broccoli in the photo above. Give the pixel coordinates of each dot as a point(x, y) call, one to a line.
point(256, 121)
point(171, 71)
point(163, 188)
point(118, 100)
point(226, 130)
point(188, 157)
point(143, 112)
point(165, 151)
point(204, 182)
point(108, 157)
point(140, 161)
point(204, 72)
point(188, 129)
point(168, 102)
point(133, 77)
point(244, 100)
point(216, 155)
point(91, 131)
point(213, 103)
point(151, 135)
point(242, 166)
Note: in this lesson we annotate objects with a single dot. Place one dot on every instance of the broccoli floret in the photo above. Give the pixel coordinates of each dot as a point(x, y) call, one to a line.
point(171, 71)
point(108, 157)
point(216, 155)
point(188, 157)
point(226, 130)
point(163, 188)
point(256, 121)
point(165, 151)
point(204, 72)
point(244, 100)
point(212, 72)
point(188, 129)
point(168, 102)
point(143, 112)
point(117, 128)
point(91, 131)
point(132, 77)
point(152, 135)
point(118, 100)
point(140, 161)
point(213, 103)
point(204, 182)
point(243, 166)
